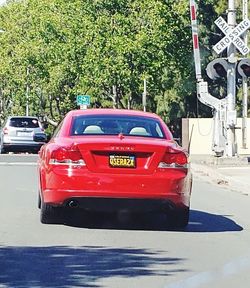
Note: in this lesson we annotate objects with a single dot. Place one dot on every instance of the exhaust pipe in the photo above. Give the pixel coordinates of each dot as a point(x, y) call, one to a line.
point(73, 204)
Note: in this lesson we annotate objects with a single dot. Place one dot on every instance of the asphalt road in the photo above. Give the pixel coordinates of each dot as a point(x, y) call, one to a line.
point(103, 251)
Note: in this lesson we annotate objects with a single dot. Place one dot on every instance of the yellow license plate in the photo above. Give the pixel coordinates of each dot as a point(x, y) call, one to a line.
point(122, 161)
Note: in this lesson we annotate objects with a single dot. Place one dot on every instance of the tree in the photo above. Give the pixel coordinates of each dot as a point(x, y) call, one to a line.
point(54, 50)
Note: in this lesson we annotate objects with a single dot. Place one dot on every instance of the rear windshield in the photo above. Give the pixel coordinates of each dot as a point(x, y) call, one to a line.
point(113, 125)
point(24, 122)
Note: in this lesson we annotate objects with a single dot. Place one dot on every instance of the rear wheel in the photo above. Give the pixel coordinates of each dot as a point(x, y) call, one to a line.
point(50, 214)
point(179, 218)
point(2, 151)
point(39, 202)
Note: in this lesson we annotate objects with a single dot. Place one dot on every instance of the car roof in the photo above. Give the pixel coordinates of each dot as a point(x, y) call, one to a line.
point(108, 111)
point(30, 117)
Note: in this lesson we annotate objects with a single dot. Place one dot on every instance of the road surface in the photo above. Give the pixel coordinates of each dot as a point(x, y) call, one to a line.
point(103, 251)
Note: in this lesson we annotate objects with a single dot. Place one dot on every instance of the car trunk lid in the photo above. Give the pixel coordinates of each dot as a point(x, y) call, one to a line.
point(130, 155)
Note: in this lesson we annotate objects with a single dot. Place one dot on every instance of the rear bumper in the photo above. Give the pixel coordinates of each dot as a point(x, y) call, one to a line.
point(21, 147)
point(161, 189)
point(116, 204)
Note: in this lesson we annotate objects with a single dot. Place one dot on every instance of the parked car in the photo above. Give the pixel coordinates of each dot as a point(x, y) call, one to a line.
point(111, 160)
point(18, 132)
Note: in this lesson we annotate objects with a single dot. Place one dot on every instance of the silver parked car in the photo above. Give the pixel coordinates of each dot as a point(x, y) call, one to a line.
point(22, 134)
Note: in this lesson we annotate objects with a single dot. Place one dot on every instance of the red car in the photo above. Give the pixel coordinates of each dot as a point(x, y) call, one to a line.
point(111, 160)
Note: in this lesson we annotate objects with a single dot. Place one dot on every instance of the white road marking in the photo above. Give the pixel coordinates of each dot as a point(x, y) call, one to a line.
point(233, 168)
point(18, 164)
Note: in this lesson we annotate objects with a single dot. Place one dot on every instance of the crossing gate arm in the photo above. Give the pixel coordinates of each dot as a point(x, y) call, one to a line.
point(195, 38)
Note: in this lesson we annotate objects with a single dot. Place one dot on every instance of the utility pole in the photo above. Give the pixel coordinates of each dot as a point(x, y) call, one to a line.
point(129, 101)
point(27, 92)
point(231, 147)
point(114, 97)
point(144, 95)
point(244, 84)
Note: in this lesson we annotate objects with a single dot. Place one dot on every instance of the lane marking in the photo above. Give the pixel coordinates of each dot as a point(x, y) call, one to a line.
point(234, 168)
point(17, 164)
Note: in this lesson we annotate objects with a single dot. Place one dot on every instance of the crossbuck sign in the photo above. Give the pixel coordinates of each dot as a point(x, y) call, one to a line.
point(232, 36)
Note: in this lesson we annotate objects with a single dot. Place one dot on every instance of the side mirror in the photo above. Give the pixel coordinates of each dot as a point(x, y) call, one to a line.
point(40, 137)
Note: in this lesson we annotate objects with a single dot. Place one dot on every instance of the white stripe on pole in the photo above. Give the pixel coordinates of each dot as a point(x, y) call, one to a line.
point(196, 49)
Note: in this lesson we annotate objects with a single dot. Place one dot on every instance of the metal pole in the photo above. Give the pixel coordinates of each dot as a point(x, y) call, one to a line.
point(129, 101)
point(114, 97)
point(27, 92)
point(144, 96)
point(231, 87)
point(244, 84)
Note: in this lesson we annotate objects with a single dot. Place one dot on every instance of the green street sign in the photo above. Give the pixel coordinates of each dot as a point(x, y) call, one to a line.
point(83, 100)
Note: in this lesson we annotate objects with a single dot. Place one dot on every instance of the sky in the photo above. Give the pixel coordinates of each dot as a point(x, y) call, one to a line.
point(2, 1)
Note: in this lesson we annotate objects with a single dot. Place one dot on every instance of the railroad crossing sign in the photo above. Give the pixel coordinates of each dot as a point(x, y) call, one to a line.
point(232, 36)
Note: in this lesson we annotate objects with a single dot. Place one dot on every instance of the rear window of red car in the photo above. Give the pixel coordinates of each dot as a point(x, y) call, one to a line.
point(115, 124)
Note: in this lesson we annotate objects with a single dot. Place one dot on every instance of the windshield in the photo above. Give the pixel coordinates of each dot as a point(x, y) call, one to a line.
point(113, 125)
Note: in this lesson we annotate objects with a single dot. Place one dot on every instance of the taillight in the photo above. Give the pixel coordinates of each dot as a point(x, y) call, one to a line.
point(5, 131)
point(174, 159)
point(67, 156)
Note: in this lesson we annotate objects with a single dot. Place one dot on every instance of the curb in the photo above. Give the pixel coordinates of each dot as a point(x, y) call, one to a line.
point(213, 175)
point(210, 160)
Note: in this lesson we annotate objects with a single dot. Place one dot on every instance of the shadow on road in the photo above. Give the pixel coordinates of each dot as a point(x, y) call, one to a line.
point(64, 266)
point(199, 222)
point(207, 222)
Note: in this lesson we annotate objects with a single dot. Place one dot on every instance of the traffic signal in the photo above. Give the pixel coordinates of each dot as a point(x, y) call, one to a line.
point(243, 67)
point(217, 68)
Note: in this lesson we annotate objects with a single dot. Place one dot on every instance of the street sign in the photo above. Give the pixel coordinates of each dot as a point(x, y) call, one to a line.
point(83, 100)
point(232, 36)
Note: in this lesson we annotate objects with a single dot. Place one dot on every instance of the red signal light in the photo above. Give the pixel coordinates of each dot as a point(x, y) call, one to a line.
point(243, 68)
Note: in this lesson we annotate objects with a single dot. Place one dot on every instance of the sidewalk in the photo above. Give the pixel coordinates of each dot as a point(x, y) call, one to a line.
point(230, 173)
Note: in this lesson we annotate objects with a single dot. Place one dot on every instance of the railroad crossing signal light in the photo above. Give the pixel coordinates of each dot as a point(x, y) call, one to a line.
point(243, 67)
point(217, 68)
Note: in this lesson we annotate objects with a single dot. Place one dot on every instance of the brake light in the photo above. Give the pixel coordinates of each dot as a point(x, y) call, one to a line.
point(5, 131)
point(67, 156)
point(174, 159)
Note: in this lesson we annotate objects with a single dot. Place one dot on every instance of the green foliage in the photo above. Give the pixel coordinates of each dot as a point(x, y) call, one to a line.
point(54, 50)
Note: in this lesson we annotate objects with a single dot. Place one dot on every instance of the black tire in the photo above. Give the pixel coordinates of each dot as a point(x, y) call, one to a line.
point(39, 202)
point(178, 218)
point(2, 151)
point(50, 214)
